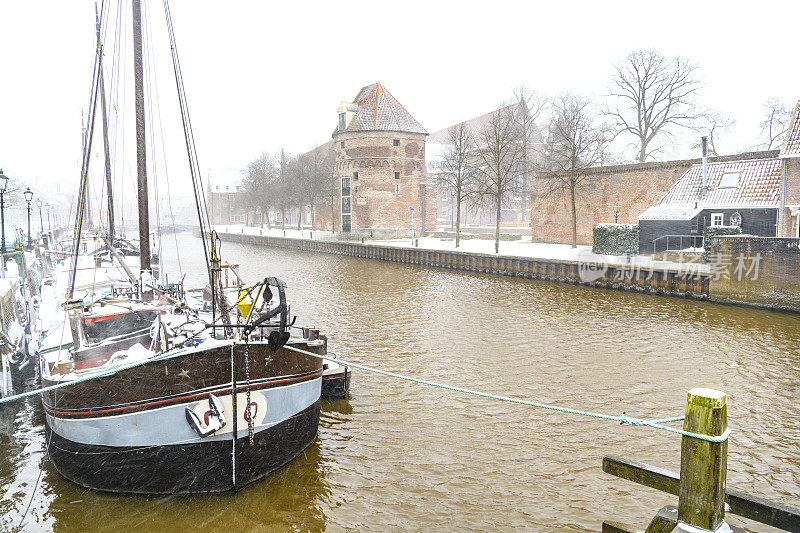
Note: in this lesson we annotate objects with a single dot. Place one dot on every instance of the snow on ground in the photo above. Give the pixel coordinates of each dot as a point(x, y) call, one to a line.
point(521, 248)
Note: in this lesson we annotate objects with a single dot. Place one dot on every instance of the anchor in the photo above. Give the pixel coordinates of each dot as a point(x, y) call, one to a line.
point(214, 418)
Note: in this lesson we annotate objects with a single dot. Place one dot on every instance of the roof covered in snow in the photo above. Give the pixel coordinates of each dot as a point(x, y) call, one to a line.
point(732, 184)
point(791, 145)
point(377, 110)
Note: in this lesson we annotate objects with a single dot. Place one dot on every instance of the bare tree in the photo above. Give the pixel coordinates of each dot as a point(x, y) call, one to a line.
point(576, 140)
point(498, 160)
point(652, 94)
point(257, 182)
point(775, 124)
point(714, 124)
point(458, 168)
point(319, 168)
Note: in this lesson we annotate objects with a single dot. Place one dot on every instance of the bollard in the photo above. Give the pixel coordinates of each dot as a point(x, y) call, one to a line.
point(701, 502)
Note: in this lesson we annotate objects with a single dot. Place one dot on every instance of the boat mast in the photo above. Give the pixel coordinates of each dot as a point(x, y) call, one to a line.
point(141, 156)
point(105, 137)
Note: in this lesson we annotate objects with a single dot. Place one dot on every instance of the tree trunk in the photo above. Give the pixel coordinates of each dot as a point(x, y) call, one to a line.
point(313, 227)
point(642, 152)
point(574, 218)
point(458, 217)
point(497, 222)
point(299, 217)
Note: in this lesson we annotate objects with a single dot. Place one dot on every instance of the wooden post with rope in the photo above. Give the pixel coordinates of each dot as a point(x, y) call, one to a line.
point(701, 503)
point(703, 498)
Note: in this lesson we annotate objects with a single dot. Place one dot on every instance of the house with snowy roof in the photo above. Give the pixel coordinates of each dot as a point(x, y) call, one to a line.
point(762, 196)
point(380, 161)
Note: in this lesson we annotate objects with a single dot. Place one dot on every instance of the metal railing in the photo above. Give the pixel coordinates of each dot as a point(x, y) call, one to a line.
point(671, 239)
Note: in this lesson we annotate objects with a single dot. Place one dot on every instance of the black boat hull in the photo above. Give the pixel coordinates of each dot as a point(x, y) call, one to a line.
point(150, 429)
point(186, 468)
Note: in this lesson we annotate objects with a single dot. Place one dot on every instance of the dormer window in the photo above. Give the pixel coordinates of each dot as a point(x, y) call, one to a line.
point(730, 180)
point(396, 142)
point(397, 175)
point(355, 176)
point(342, 122)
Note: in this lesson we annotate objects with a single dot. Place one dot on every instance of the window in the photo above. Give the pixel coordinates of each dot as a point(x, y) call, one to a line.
point(397, 175)
point(346, 204)
point(444, 195)
point(397, 188)
point(342, 144)
point(345, 186)
point(355, 189)
point(227, 187)
point(342, 123)
point(730, 180)
point(444, 211)
point(396, 142)
point(232, 218)
point(717, 219)
point(355, 176)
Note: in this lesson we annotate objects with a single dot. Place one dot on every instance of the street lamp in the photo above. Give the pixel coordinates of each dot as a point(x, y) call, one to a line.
point(411, 208)
point(49, 225)
point(617, 209)
point(28, 197)
point(3, 185)
point(41, 221)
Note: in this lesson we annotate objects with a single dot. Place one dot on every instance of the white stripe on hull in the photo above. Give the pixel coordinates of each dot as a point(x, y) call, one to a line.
point(167, 425)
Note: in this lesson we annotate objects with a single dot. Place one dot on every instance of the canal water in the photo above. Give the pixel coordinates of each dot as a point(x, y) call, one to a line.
point(397, 455)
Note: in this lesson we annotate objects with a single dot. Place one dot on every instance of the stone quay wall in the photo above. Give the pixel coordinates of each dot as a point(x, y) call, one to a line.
point(666, 282)
point(758, 271)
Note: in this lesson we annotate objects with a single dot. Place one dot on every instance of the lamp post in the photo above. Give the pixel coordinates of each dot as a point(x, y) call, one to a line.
point(617, 209)
point(28, 197)
point(3, 185)
point(411, 208)
point(41, 221)
point(49, 225)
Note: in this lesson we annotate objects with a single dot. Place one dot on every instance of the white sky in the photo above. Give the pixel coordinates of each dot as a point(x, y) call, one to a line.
point(265, 75)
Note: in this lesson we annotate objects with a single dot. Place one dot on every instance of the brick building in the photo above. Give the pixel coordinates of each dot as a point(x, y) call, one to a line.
point(226, 204)
point(380, 162)
point(790, 158)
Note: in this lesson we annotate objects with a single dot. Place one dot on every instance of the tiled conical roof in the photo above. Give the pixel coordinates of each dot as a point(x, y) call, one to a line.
point(378, 110)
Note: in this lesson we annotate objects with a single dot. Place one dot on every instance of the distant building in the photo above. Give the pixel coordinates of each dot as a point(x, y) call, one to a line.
point(226, 201)
point(516, 208)
point(380, 161)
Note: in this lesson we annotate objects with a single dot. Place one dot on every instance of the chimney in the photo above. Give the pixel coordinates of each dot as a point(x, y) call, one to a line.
point(704, 191)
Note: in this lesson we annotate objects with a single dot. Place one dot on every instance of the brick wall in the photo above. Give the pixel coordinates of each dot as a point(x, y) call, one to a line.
point(759, 270)
point(635, 187)
point(391, 179)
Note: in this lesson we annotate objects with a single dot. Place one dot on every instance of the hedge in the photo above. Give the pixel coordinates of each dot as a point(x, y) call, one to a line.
point(615, 239)
point(716, 231)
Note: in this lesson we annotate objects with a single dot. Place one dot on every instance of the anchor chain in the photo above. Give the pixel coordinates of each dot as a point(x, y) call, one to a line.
point(247, 413)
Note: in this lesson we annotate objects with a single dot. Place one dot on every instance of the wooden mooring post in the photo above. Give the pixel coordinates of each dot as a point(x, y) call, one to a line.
point(702, 495)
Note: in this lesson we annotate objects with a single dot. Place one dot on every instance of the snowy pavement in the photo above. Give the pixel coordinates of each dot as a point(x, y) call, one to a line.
point(520, 248)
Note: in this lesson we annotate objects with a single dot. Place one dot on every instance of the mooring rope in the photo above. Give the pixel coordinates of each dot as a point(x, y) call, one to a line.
point(622, 419)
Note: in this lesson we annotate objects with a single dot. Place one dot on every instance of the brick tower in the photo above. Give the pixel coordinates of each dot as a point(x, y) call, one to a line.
point(380, 161)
